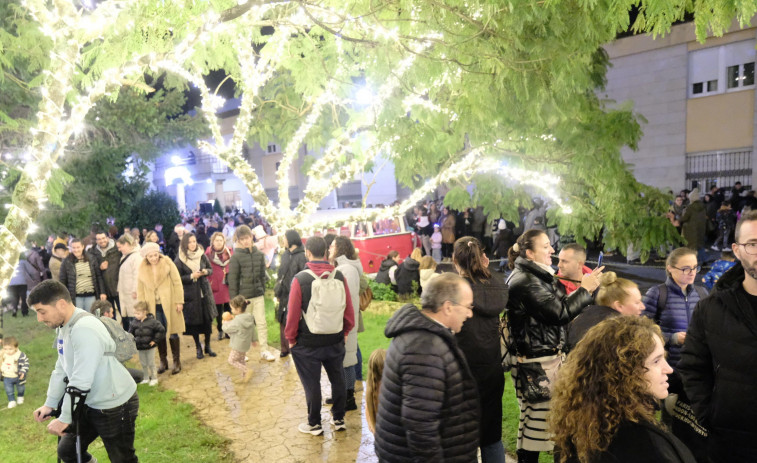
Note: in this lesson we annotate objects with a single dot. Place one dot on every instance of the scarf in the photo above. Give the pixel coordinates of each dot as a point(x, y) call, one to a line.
point(545, 267)
point(218, 256)
point(192, 258)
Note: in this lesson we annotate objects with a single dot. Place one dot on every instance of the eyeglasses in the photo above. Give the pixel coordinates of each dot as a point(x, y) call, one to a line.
point(469, 307)
point(690, 270)
point(750, 248)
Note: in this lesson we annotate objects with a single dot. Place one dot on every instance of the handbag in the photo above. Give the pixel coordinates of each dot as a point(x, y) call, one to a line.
point(535, 378)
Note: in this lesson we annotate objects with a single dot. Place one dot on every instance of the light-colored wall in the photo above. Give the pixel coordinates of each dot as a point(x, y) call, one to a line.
point(720, 122)
point(655, 81)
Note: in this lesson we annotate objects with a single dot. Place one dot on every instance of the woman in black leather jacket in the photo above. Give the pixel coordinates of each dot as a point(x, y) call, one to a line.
point(479, 341)
point(538, 311)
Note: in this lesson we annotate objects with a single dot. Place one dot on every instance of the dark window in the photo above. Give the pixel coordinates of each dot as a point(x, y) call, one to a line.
point(697, 88)
point(712, 86)
point(733, 76)
point(748, 78)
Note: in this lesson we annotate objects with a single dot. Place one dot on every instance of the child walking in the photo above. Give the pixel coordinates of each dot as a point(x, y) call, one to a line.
point(148, 332)
point(240, 326)
point(15, 366)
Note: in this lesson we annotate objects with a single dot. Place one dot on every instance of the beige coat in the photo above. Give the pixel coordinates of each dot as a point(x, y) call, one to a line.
point(168, 287)
point(127, 281)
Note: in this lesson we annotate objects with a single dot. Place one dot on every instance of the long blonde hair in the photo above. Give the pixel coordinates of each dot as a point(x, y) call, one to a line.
point(373, 385)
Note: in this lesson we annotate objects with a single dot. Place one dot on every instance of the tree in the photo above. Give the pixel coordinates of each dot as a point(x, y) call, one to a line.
point(459, 88)
point(217, 207)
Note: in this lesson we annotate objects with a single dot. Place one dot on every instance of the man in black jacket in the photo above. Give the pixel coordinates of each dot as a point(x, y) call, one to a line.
point(107, 259)
point(429, 407)
point(719, 357)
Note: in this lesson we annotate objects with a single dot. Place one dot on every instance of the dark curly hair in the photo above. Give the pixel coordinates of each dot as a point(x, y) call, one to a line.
point(601, 385)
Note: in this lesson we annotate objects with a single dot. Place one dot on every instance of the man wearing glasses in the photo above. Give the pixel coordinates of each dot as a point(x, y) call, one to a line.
point(429, 408)
point(719, 358)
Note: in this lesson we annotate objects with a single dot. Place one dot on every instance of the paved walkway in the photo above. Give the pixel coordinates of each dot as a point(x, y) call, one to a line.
point(260, 418)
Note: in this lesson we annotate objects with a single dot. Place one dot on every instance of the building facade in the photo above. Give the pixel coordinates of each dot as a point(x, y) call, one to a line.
point(193, 177)
point(698, 101)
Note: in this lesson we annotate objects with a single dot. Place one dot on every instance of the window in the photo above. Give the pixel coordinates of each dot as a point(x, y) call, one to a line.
point(272, 148)
point(732, 64)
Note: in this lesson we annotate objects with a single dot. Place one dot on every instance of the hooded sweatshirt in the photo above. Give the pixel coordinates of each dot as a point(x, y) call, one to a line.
point(299, 298)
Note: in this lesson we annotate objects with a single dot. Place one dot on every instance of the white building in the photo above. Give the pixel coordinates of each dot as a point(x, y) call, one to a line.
point(194, 177)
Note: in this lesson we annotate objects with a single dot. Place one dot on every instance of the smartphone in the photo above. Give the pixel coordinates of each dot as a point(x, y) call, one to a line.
point(600, 258)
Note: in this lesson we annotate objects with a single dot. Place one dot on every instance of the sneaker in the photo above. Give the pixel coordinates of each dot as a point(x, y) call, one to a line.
point(316, 430)
point(12, 404)
point(715, 248)
point(153, 382)
point(267, 356)
point(145, 381)
point(20, 400)
point(338, 425)
point(247, 376)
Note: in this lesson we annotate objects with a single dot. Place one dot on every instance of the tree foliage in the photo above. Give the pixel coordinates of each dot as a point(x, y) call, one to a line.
point(513, 80)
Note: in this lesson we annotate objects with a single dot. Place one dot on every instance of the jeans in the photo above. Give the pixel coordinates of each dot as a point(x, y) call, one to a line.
point(115, 427)
point(308, 361)
point(436, 253)
point(9, 383)
point(84, 302)
point(493, 453)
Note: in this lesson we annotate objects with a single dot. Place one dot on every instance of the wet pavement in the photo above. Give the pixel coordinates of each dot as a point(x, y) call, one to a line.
point(260, 418)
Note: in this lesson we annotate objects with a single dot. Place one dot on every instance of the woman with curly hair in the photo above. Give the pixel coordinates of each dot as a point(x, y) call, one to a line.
point(604, 401)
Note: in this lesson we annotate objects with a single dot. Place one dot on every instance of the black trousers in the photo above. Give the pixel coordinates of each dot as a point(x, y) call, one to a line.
point(16, 293)
point(308, 361)
point(115, 427)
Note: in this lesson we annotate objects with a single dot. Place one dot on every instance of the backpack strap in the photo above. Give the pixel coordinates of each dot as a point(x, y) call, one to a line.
point(662, 299)
point(701, 291)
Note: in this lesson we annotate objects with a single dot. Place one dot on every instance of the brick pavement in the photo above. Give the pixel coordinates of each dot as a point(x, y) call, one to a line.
point(260, 418)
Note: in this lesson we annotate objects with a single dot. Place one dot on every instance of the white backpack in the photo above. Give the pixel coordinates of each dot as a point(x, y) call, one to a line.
point(325, 314)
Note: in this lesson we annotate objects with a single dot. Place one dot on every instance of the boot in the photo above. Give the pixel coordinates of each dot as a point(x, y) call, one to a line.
point(207, 346)
point(351, 404)
point(175, 351)
point(162, 354)
point(200, 355)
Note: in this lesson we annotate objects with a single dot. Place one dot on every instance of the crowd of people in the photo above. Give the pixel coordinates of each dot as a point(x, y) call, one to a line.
point(592, 358)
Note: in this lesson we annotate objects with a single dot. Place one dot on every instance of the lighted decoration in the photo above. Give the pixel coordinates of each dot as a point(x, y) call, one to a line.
point(67, 97)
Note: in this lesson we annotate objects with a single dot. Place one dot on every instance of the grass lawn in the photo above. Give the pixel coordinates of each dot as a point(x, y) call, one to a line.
point(166, 430)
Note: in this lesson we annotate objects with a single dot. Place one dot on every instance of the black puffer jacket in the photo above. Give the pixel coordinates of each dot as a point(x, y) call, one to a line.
point(429, 409)
point(479, 340)
point(383, 274)
point(247, 273)
point(719, 368)
point(406, 275)
point(68, 275)
point(292, 263)
point(538, 309)
point(199, 305)
point(146, 331)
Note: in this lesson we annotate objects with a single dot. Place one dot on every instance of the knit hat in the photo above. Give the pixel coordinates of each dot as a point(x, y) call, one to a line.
point(258, 232)
point(149, 248)
point(293, 238)
point(694, 195)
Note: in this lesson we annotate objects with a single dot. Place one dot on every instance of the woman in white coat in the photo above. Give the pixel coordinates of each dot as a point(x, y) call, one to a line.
point(127, 276)
point(343, 256)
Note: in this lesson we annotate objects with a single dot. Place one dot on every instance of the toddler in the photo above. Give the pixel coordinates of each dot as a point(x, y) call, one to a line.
point(148, 332)
point(13, 368)
point(727, 260)
point(240, 326)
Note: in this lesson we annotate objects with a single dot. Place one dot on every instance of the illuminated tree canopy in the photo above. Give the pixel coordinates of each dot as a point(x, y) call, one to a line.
point(463, 92)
